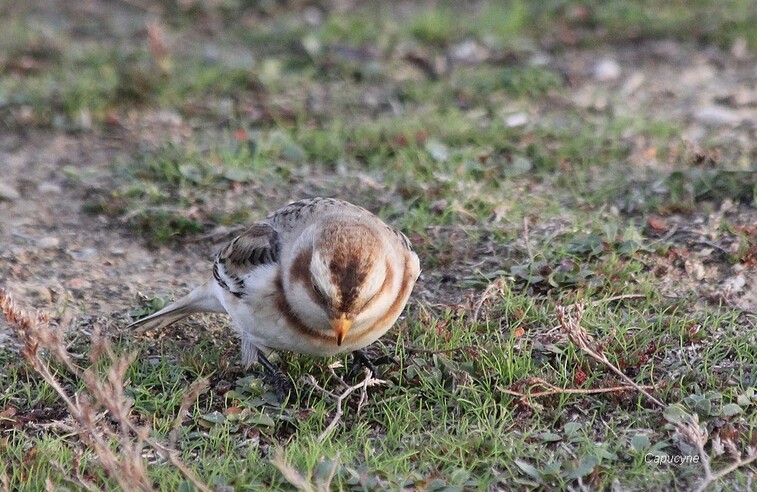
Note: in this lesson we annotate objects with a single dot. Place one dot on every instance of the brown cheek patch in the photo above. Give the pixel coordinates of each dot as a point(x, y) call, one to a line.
point(399, 303)
point(286, 309)
point(300, 272)
point(384, 287)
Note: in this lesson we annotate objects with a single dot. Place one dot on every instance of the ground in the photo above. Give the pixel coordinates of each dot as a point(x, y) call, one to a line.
point(538, 157)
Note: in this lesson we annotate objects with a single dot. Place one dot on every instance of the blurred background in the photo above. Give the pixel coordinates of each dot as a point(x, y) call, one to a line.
point(537, 153)
point(169, 119)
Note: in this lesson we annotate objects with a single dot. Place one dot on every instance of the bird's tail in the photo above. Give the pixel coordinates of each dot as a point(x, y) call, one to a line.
point(201, 300)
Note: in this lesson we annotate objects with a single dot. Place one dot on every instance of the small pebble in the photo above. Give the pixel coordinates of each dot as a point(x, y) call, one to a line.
point(734, 284)
point(48, 242)
point(517, 119)
point(49, 188)
point(8, 192)
point(540, 59)
point(468, 52)
point(695, 269)
point(79, 284)
point(438, 151)
point(83, 254)
point(716, 115)
point(312, 15)
point(606, 70)
point(439, 206)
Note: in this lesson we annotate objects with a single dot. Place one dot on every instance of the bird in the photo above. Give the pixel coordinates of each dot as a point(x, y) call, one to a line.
point(320, 276)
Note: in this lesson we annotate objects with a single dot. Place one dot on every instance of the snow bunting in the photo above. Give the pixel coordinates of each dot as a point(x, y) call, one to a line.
point(319, 276)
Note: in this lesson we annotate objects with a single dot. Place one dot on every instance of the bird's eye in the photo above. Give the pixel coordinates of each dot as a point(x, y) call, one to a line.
point(317, 290)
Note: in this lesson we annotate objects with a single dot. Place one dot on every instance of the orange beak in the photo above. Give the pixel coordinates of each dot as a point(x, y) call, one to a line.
point(341, 326)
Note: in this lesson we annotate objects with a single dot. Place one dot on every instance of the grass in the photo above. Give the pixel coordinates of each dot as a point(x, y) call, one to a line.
point(442, 417)
point(511, 221)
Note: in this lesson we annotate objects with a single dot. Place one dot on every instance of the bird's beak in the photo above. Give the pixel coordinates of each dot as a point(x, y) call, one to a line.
point(341, 326)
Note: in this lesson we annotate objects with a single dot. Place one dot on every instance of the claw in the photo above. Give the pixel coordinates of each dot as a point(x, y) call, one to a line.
point(273, 376)
point(360, 360)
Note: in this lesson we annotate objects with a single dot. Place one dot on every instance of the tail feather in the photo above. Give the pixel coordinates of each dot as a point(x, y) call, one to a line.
point(201, 300)
point(249, 352)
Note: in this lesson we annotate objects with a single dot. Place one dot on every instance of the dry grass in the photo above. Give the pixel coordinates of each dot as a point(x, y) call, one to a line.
point(101, 414)
point(692, 431)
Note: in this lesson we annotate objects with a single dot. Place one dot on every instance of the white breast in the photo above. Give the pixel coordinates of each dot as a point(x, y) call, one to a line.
point(260, 323)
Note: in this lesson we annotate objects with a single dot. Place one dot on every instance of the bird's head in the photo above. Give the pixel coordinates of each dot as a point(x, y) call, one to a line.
point(347, 270)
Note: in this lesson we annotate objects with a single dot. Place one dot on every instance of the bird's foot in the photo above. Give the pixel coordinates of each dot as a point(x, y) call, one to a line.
point(274, 377)
point(360, 360)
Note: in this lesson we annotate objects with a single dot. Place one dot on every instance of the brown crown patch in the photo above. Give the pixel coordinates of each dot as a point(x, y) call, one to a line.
point(353, 248)
point(348, 277)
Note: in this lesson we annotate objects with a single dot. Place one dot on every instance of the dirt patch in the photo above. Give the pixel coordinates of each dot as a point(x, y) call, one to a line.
point(59, 258)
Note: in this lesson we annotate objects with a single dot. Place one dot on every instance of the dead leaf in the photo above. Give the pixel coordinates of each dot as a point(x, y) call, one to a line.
point(8, 412)
point(657, 225)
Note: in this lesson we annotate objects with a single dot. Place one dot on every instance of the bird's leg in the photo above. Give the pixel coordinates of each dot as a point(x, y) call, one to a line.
point(275, 377)
point(360, 360)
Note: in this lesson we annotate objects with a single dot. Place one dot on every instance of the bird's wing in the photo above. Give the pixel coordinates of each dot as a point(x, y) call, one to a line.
point(259, 245)
point(402, 238)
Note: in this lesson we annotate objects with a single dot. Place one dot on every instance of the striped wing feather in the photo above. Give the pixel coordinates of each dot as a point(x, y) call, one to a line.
point(258, 245)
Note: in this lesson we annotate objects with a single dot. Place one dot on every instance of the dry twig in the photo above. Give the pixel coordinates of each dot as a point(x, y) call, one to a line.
point(363, 385)
point(77, 480)
point(5, 481)
point(491, 290)
point(527, 240)
point(620, 297)
point(194, 391)
point(556, 390)
point(570, 322)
